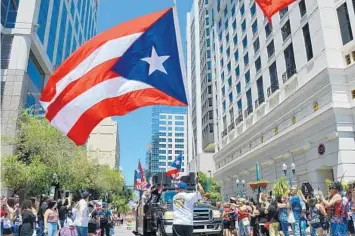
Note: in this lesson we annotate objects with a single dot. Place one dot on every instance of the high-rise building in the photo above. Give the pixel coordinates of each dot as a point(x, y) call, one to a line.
point(199, 78)
point(103, 144)
point(169, 138)
point(36, 37)
point(284, 93)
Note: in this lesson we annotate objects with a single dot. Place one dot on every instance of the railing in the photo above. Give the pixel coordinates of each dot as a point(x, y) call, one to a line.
point(260, 100)
point(224, 133)
point(231, 127)
point(272, 89)
point(288, 74)
point(248, 111)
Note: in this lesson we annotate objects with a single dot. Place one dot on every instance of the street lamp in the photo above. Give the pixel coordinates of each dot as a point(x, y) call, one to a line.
point(293, 169)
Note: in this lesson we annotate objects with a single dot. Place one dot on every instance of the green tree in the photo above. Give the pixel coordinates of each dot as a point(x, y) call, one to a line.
point(41, 151)
point(281, 187)
point(210, 186)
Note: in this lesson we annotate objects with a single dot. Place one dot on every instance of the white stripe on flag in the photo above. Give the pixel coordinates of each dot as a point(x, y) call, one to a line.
point(114, 48)
point(70, 113)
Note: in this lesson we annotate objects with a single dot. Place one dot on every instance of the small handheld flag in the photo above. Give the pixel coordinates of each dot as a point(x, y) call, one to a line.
point(129, 66)
point(175, 166)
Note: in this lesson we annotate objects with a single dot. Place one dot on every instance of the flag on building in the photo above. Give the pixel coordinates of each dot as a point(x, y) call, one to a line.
point(271, 7)
point(134, 64)
point(175, 166)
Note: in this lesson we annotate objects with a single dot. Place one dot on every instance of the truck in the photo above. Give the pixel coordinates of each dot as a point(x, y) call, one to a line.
point(156, 216)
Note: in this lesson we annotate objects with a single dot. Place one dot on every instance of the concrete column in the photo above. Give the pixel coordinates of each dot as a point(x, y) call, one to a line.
point(346, 162)
point(15, 77)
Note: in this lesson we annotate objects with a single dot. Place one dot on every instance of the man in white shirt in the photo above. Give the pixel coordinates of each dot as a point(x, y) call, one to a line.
point(82, 215)
point(183, 204)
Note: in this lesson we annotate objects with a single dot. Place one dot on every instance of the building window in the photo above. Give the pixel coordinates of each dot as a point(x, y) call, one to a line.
point(226, 24)
point(224, 107)
point(271, 49)
point(242, 10)
point(235, 40)
point(208, 53)
point(223, 91)
point(209, 89)
point(9, 13)
point(253, 10)
point(256, 45)
point(210, 102)
point(239, 88)
point(246, 60)
point(245, 42)
point(179, 123)
point(273, 74)
point(208, 65)
point(247, 78)
point(228, 52)
point(208, 42)
point(255, 27)
point(220, 24)
point(258, 64)
point(237, 72)
point(286, 30)
point(268, 30)
point(240, 105)
point(244, 26)
point(225, 11)
point(260, 87)
point(290, 61)
point(249, 99)
point(233, 10)
point(227, 37)
point(283, 12)
point(36, 75)
point(222, 62)
point(236, 56)
point(207, 32)
point(68, 42)
point(303, 8)
point(222, 76)
point(210, 115)
point(221, 49)
point(234, 25)
point(307, 42)
point(42, 19)
point(207, 20)
point(230, 81)
point(344, 23)
point(230, 97)
point(53, 29)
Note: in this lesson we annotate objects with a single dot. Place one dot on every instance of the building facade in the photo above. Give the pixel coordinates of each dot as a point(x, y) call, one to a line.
point(199, 77)
point(36, 37)
point(103, 144)
point(283, 93)
point(169, 138)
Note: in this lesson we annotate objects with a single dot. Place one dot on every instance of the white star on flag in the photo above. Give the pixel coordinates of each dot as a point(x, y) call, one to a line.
point(177, 162)
point(155, 62)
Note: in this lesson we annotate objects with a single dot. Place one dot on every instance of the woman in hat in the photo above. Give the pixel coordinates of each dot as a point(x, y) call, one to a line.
point(337, 225)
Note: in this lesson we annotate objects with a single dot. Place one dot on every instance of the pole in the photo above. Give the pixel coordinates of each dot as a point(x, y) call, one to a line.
point(257, 170)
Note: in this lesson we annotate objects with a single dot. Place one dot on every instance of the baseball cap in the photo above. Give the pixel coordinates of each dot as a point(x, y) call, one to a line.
point(85, 194)
point(182, 185)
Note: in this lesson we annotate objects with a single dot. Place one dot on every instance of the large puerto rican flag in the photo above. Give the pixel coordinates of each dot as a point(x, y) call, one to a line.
point(175, 167)
point(134, 64)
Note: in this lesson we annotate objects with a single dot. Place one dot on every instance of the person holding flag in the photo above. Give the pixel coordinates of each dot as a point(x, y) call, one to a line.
point(183, 204)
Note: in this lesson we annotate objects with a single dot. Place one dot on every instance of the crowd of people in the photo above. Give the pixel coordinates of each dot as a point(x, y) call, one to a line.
point(63, 217)
point(292, 214)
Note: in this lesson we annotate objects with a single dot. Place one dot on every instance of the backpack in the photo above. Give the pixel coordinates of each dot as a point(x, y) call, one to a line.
point(104, 217)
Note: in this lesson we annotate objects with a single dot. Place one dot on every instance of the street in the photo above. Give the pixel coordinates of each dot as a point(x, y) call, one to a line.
point(123, 231)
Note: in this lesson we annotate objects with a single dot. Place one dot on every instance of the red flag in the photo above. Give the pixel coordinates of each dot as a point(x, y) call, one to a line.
point(141, 171)
point(270, 7)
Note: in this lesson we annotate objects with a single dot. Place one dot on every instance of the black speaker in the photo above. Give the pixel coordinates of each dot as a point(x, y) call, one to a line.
point(166, 180)
point(156, 179)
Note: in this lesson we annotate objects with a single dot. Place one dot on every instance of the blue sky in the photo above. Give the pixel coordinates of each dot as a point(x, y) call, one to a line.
point(135, 128)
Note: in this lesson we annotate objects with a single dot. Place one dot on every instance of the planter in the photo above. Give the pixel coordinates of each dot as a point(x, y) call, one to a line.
point(263, 184)
point(253, 185)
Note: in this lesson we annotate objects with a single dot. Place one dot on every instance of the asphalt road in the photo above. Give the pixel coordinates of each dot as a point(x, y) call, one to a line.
point(123, 231)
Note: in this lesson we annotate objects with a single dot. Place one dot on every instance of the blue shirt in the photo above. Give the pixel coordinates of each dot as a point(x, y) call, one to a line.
point(296, 207)
point(283, 214)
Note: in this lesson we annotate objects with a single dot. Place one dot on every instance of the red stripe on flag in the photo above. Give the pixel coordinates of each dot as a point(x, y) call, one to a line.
point(270, 7)
point(137, 25)
point(95, 76)
point(117, 106)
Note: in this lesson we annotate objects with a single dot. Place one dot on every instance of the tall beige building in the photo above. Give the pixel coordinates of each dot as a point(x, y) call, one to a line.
point(103, 144)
